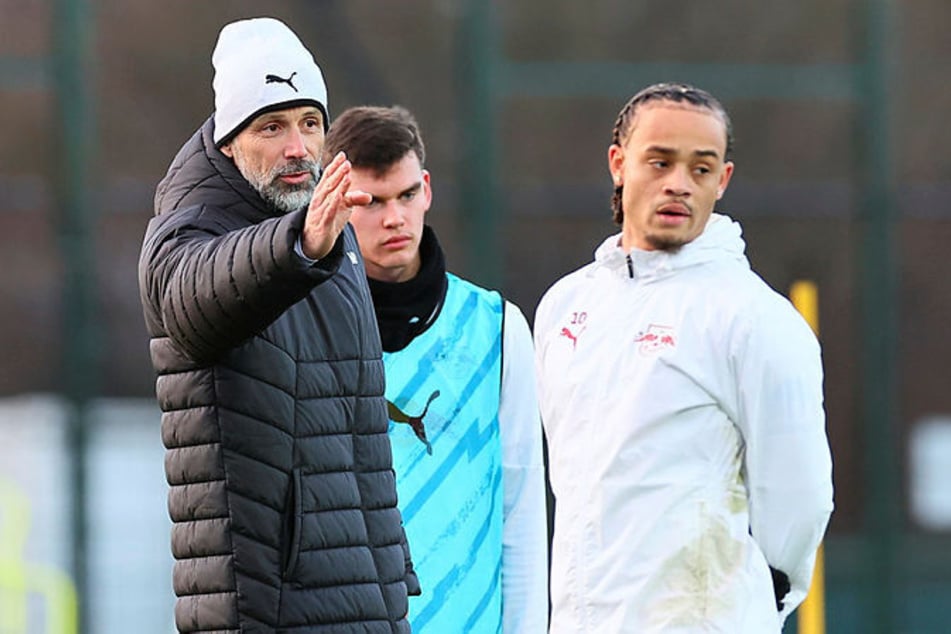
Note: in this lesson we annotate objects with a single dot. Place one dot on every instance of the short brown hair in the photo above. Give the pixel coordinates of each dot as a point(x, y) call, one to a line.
point(374, 137)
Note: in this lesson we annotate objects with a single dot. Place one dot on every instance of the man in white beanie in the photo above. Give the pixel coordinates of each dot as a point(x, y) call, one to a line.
point(263, 336)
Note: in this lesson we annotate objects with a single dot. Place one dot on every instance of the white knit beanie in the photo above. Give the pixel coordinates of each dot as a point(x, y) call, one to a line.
point(261, 65)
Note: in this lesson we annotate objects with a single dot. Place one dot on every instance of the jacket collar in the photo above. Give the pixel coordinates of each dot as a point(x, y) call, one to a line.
point(721, 240)
point(405, 310)
point(201, 173)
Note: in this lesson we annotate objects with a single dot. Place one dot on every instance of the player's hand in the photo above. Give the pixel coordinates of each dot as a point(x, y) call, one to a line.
point(330, 208)
point(781, 586)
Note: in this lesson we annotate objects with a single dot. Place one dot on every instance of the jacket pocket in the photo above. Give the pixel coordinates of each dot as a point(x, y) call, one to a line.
point(293, 524)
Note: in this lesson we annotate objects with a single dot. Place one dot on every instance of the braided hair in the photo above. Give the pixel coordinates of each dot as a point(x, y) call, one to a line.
point(680, 93)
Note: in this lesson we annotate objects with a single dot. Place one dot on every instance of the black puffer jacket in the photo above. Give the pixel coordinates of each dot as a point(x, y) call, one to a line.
point(270, 378)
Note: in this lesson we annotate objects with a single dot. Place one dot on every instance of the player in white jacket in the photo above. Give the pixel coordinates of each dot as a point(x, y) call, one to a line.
point(682, 401)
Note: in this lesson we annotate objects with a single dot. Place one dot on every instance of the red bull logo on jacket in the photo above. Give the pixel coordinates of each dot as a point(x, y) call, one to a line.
point(655, 339)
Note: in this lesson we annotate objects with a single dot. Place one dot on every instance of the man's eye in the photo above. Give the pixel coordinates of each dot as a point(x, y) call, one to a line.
point(407, 196)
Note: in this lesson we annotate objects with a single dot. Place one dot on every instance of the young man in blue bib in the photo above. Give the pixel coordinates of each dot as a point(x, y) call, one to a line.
point(465, 429)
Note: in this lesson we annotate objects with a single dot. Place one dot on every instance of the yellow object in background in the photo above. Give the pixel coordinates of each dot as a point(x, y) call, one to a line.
point(20, 579)
point(805, 297)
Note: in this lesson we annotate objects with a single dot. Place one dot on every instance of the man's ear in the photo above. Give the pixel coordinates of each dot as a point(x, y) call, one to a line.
point(227, 151)
point(616, 163)
point(725, 179)
point(427, 189)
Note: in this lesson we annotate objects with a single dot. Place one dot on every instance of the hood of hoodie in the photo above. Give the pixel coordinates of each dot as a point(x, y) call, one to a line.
point(201, 174)
point(721, 240)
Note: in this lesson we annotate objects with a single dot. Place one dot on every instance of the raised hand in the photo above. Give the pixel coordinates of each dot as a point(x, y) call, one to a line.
point(330, 208)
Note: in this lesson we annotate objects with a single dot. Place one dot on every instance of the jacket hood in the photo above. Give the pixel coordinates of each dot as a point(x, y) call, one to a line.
point(721, 240)
point(200, 174)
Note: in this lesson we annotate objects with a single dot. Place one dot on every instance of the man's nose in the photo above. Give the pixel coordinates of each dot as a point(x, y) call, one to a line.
point(295, 147)
point(678, 182)
point(393, 215)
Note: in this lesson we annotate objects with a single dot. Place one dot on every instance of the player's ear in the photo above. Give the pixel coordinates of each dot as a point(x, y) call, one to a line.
point(616, 163)
point(724, 179)
point(427, 189)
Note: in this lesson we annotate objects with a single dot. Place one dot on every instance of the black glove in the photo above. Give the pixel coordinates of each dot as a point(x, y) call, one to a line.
point(780, 586)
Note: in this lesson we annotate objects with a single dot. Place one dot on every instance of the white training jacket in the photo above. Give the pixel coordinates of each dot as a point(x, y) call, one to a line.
point(682, 401)
point(524, 521)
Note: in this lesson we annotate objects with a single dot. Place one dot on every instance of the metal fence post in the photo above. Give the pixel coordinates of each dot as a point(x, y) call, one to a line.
point(73, 91)
point(878, 284)
point(478, 192)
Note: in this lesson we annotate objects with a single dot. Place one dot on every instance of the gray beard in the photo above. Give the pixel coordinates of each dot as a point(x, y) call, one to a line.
point(282, 197)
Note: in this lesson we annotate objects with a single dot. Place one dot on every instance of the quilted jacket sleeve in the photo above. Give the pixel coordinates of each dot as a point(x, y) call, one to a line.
point(209, 285)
